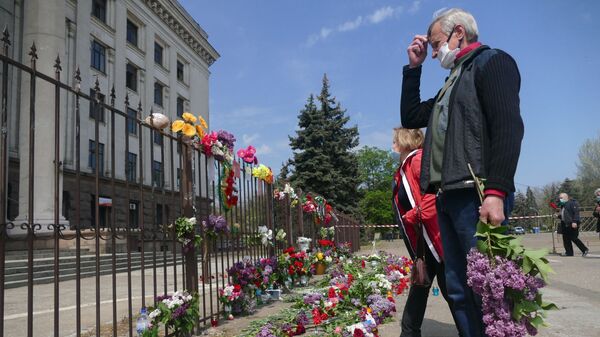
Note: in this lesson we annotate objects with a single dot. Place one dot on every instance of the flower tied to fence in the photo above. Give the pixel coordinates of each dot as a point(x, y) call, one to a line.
point(215, 225)
point(263, 173)
point(178, 311)
point(185, 229)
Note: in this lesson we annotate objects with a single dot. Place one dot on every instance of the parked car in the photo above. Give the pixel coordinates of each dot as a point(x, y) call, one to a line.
point(519, 230)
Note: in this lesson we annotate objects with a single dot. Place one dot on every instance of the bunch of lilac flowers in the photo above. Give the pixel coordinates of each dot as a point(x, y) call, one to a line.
point(498, 282)
point(266, 331)
point(302, 318)
point(381, 308)
point(243, 273)
point(311, 299)
point(216, 224)
point(226, 138)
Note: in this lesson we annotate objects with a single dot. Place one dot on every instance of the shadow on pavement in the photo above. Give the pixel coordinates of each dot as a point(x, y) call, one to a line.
point(433, 328)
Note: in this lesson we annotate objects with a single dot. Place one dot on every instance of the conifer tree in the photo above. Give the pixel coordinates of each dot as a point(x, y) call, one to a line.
point(323, 159)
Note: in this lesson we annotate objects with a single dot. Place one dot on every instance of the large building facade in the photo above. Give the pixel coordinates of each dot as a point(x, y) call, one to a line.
point(150, 50)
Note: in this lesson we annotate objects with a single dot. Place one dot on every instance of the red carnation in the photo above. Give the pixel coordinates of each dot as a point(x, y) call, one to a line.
point(358, 333)
point(300, 329)
point(331, 292)
point(362, 264)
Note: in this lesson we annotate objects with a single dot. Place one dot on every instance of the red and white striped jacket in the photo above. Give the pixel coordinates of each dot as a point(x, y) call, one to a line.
point(408, 175)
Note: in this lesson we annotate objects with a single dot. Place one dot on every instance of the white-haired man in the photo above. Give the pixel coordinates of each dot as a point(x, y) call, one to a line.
point(570, 220)
point(473, 122)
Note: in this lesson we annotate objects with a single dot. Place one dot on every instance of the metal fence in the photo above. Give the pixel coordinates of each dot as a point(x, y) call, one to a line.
point(109, 249)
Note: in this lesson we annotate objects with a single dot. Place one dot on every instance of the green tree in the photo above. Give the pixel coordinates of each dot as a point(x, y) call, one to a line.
point(376, 207)
point(588, 170)
point(376, 168)
point(569, 186)
point(323, 159)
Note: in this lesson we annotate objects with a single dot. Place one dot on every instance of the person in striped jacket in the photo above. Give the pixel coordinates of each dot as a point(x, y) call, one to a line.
point(410, 208)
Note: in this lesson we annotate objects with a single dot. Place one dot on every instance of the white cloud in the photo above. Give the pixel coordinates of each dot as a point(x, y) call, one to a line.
point(249, 139)
point(350, 25)
point(325, 32)
point(263, 150)
point(381, 14)
point(376, 17)
point(416, 5)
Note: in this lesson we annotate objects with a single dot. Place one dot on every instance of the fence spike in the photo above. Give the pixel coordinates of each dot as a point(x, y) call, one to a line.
point(6, 37)
point(33, 53)
point(140, 109)
point(77, 79)
point(57, 66)
point(112, 95)
point(97, 87)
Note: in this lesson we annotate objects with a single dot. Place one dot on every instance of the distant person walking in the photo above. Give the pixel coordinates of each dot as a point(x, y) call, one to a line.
point(569, 216)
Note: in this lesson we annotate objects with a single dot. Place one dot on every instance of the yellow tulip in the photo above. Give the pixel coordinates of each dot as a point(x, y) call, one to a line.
point(177, 125)
point(200, 131)
point(189, 130)
point(188, 117)
point(203, 122)
point(320, 256)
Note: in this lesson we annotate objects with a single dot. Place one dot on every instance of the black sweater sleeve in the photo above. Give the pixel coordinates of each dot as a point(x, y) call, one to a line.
point(498, 84)
point(414, 114)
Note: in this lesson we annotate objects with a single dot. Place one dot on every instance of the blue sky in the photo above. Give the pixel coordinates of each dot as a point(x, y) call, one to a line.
point(274, 54)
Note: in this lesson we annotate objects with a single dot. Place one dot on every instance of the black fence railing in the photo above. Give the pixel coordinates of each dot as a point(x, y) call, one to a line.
point(108, 248)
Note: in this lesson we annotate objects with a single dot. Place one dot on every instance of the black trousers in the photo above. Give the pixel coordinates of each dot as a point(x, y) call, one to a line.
point(570, 236)
point(416, 303)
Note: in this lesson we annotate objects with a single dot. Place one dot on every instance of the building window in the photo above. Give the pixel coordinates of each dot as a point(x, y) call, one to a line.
point(180, 102)
point(92, 157)
point(157, 179)
point(179, 71)
point(131, 76)
point(104, 208)
point(131, 121)
point(131, 167)
point(158, 53)
point(96, 108)
point(134, 205)
point(99, 9)
point(158, 93)
point(132, 33)
point(178, 178)
point(98, 56)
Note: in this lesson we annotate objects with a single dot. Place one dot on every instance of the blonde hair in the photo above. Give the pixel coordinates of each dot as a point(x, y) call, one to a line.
point(409, 139)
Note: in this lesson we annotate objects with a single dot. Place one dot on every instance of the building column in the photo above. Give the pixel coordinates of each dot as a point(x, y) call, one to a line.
point(44, 25)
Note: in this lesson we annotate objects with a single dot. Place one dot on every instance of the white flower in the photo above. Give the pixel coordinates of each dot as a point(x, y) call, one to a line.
point(328, 259)
point(303, 239)
point(192, 220)
point(154, 313)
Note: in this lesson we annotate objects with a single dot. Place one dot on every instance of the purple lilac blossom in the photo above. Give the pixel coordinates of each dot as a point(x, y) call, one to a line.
point(490, 281)
point(313, 298)
point(226, 139)
point(302, 318)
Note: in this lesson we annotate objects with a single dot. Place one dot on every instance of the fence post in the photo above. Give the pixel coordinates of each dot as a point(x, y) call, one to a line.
point(191, 262)
point(288, 220)
point(269, 216)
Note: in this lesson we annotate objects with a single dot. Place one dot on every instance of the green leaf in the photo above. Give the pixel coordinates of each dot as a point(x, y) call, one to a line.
point(537, 321)
point(527, 265)
point(482, 246)
point(549, 306)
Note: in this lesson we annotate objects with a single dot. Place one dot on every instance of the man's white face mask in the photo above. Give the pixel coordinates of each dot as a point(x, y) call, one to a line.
point(447, 56)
